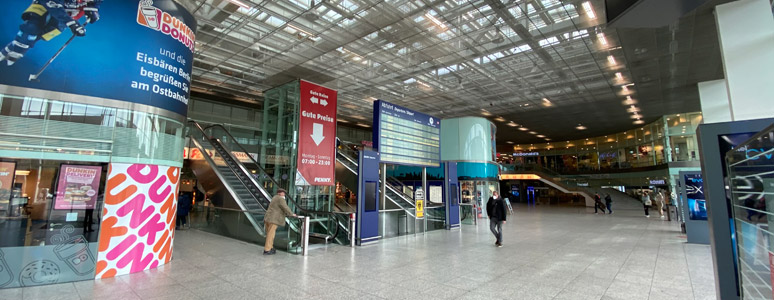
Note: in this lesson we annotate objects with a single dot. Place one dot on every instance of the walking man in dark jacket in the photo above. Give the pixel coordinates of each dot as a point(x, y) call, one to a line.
point(495, 208)
point(609, 203)
point(275, 217)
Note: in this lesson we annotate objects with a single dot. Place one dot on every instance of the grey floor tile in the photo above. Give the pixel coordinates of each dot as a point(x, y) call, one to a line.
point(62, 291)
point(550, 253)
point(14, 293)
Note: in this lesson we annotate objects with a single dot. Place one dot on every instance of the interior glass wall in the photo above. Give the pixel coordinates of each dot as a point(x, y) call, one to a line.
point(671, 138)
point(54, 159)
point(751, 189)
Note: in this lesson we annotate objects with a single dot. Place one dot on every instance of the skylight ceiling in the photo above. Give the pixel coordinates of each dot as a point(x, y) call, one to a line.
point(447, 58)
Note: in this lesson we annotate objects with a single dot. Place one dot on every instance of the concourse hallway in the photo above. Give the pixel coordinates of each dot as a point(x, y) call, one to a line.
point(549, 253)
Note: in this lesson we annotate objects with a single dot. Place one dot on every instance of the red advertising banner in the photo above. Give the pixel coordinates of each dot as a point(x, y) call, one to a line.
point(7, 173)
point(78, 187)
point(317, 134)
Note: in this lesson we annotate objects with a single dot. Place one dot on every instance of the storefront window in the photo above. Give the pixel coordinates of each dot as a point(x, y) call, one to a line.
point(49, 219)
point(671, 137)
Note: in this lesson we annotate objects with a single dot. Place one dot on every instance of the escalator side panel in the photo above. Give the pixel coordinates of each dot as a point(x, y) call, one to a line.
point(346, 177)
point(212, 185)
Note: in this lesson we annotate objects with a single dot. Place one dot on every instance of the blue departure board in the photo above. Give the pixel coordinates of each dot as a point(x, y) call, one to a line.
point(406, 137)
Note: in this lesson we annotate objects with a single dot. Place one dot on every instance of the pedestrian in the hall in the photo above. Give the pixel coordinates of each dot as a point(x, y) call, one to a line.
point(495, 209)
point(609, 203)
point(184, 205)
point(275, 217)
point(659, 203)
point(646, 202)
point(598, 204)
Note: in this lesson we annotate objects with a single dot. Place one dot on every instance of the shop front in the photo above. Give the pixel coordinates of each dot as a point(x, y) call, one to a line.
point(91, 144)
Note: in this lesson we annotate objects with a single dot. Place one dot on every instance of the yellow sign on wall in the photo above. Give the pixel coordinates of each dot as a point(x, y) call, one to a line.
point(420, 208)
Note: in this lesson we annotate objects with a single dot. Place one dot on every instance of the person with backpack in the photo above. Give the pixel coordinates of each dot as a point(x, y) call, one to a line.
point(609, 203)
point(495, 209)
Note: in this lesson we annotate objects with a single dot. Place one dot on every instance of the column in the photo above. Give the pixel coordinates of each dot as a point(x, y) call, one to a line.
point(746, 33)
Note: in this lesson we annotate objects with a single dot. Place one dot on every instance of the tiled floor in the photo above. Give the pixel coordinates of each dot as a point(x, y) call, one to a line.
point(549, 253)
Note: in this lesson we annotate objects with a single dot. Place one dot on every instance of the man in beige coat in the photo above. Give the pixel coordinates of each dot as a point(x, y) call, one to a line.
point(275, 217)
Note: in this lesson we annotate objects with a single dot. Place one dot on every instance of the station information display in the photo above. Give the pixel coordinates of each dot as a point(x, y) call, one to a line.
point(406, 137)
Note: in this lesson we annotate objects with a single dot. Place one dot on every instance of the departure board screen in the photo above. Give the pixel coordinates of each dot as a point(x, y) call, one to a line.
point(406, 137)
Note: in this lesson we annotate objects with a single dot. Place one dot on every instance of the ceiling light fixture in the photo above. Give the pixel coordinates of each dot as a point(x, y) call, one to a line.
point(523, 128)
point(547, 139)
point(509, 142)
point(638, 122)
point(485, 112)
point(547, 103)
point(532, 133)
point(436, 21)
point(540, 136)
point(589, 10)
point(629, 101)
point(500, 119)
point(619, 75)
point(512, 124)
point(625, 88)
point(602, 39)
point(581, 127)
point(611, 59)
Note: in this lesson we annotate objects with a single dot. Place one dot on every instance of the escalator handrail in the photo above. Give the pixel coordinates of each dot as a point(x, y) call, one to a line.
point(239, 164)
point(345, 156)
point(211, 162)
point(244, 170)
point(401, 195)
point(263, 171)
point(247, 173)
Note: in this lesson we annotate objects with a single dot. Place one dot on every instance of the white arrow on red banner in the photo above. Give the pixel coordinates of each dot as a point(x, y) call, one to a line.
point(317, 133)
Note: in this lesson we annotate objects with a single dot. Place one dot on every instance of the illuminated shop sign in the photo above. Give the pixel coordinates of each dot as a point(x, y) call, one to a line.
point(657, 182)
point(518, 154)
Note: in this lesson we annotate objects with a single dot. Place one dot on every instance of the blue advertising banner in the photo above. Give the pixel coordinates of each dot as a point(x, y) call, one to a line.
point(138, 51)
point(406, 137)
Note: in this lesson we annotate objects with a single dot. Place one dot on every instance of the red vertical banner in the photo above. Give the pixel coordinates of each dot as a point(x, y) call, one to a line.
point(317, 134)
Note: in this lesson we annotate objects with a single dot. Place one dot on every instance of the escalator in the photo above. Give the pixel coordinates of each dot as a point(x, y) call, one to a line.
point(347, 174)
point(238, 183)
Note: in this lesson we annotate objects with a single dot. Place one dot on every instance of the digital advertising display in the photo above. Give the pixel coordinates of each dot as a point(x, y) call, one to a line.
point(694, 189)
point(406, 137)
point(78, 187)
point(139, 51)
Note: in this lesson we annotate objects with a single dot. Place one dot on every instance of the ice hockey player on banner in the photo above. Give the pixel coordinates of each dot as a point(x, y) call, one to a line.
point(45, 19)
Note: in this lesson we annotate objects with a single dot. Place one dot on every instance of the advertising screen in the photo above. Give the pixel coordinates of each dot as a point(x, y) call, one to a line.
point(78, 187)
point(139, 51)
point(697, 206)
point(406, 137)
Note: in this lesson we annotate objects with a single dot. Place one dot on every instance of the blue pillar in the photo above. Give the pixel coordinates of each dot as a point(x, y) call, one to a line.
point(452, 193)
point(368, 197)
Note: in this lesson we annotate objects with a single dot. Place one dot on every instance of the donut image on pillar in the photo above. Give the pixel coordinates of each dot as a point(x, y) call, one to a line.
point(39, 272)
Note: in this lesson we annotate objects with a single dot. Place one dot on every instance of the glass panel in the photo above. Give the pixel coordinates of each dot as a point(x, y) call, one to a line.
point(751, 185)
point(49, 219)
